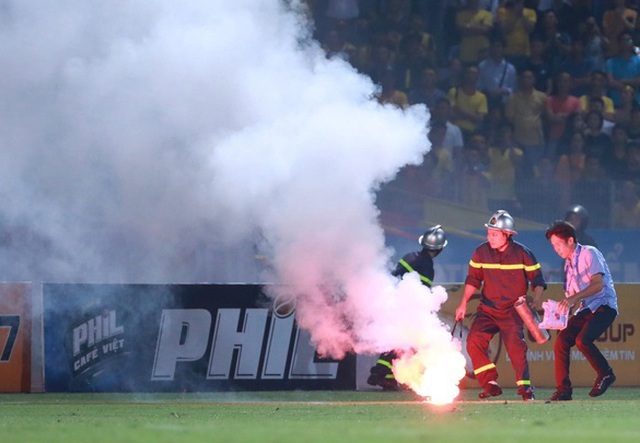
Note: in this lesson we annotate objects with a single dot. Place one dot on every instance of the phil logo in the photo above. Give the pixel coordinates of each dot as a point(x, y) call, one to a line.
point(96, 338)
point(243, 344)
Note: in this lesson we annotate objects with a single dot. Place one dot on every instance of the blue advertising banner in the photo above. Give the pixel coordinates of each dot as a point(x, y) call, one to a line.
point(176, 338)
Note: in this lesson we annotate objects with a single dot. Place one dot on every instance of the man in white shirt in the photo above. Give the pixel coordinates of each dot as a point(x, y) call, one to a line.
point(589, 289)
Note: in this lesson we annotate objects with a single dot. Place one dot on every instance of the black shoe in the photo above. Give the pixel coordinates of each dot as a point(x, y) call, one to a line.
point(387, 384)
point(561, 396)
point(527, 394)
point(602, 384)
point(491, 390)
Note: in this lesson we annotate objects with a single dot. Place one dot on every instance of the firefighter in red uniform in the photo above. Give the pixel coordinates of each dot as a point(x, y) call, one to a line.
point(432, 241)
point(506, 268)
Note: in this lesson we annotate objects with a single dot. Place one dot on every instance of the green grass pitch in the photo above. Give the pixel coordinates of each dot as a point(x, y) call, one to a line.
point(318, 416)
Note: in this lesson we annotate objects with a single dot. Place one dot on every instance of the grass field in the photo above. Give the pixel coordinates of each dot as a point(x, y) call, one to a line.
point(312, 416)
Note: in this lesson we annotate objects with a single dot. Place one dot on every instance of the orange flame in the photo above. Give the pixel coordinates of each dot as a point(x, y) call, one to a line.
point(433, 373)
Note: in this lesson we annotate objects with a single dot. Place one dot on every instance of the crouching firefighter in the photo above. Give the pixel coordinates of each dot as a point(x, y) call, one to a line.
point(433, 242)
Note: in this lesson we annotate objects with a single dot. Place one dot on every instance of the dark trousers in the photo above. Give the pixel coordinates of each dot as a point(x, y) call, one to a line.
point(582, 330)
point(508, 323)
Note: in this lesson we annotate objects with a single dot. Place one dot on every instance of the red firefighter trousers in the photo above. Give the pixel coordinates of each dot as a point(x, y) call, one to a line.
point(487, 323)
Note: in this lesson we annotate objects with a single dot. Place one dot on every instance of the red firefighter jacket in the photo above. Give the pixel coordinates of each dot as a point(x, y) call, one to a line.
point(506, 275)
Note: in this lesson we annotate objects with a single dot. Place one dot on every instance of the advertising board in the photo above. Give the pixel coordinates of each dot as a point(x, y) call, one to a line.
point(178, 338)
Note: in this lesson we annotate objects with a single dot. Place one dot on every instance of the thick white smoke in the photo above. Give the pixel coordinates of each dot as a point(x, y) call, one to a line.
point(155, 141)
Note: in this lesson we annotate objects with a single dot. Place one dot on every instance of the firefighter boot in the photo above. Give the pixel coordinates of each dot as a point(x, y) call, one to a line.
point(526, 392)
point(562, 395)
point(491, 390)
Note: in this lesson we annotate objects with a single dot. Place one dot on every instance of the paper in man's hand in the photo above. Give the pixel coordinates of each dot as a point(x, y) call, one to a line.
point(553, 319)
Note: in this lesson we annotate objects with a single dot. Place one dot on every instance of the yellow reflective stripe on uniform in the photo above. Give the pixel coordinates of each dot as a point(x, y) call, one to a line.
point(504, 267)
point(390, 377)
point(408, 267)
point(384, 363)
point(523, 383)
point(484, 368)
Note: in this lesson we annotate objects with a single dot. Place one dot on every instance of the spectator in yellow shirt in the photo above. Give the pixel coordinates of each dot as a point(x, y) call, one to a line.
point(474, 25)
point(516, 24)
point(526, 109)
point(469, 105)
point(598, 88)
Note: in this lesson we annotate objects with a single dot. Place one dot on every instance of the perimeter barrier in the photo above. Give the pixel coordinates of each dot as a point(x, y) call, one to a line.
point(216, 337)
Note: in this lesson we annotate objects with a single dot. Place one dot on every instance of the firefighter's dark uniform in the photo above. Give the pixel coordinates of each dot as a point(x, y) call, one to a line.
point(422, 263)
point(506, 276)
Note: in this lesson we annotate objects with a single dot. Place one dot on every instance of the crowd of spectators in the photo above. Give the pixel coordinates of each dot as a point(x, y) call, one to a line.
point(534, 104)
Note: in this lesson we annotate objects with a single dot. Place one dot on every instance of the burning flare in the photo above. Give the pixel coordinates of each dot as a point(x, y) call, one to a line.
point(432, 363)
point(432, 372)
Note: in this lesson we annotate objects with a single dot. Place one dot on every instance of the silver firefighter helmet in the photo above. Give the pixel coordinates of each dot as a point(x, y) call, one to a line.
point(503, 221)
point(434, 239)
